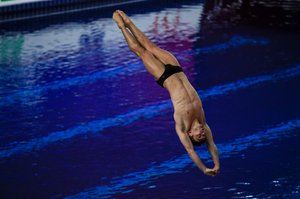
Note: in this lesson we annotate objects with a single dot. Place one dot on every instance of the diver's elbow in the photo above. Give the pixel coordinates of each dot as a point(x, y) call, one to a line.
point(190, 151)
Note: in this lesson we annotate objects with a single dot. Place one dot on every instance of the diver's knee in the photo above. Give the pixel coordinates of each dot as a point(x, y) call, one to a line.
point(137, 49)
point(134, 47)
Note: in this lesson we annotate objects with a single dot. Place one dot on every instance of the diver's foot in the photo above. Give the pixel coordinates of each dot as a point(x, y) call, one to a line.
point(118, 19)
point(125, 18)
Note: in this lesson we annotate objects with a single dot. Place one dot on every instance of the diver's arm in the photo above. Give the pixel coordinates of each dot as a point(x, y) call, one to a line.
point(186, 142)
point(213, 150)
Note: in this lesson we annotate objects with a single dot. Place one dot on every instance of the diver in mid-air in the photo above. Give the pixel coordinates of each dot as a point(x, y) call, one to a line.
point(191, 126)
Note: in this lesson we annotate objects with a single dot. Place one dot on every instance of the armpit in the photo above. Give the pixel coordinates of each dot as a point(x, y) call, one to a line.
point(180, 127)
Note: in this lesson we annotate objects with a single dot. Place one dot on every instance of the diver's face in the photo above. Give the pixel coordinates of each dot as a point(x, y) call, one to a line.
point(198, 132)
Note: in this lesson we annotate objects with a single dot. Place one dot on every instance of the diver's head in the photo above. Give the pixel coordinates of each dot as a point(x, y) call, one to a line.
point(197, 133)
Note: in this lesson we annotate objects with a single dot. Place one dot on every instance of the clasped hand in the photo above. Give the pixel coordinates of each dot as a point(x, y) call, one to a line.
point(211, 172)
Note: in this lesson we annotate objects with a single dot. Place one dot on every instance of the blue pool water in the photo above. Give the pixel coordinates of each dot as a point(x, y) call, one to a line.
point(81, 118)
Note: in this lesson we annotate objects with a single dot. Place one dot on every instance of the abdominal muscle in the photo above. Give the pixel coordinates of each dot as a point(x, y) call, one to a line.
point(186, 102)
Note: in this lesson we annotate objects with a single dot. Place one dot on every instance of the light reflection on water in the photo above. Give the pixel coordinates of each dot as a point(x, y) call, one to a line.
point(58, 82)
point(67, 50)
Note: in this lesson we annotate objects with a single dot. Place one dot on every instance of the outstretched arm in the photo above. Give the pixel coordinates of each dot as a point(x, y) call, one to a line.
point(213, 150)
point(186, 142)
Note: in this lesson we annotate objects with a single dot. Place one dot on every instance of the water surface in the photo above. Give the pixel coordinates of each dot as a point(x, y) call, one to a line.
point(81, 117)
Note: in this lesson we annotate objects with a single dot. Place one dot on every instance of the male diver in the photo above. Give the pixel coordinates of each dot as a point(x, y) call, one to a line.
point(191, 126)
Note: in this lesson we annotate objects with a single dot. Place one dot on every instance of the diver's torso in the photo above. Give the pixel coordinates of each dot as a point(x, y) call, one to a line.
point(186, 102)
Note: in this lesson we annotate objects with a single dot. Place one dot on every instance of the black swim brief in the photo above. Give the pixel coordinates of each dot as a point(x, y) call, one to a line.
point(169, 70)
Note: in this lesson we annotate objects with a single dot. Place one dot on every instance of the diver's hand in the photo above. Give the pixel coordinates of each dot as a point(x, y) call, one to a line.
point(216, 169)
point(210, 172)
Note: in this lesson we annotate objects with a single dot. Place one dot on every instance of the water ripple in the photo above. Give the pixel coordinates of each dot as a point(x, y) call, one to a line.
point(150, 111)
point(120, 184)
point(124, 70)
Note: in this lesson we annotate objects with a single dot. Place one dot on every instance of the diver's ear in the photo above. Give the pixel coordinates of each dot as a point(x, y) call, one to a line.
point(189, 133)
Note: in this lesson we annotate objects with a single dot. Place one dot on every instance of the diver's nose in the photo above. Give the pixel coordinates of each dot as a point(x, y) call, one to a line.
point(202, 130)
